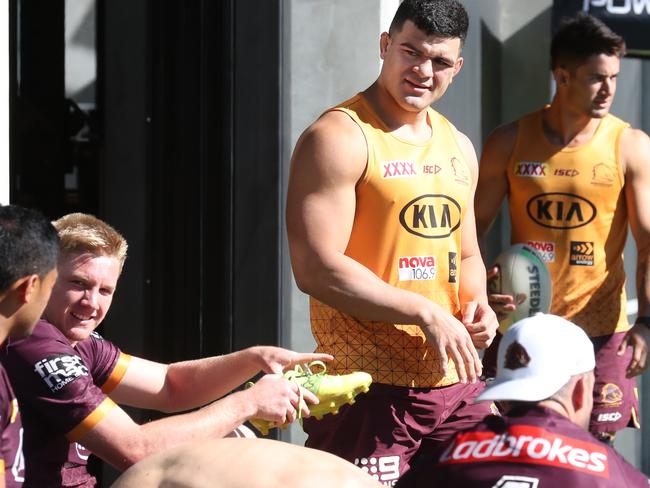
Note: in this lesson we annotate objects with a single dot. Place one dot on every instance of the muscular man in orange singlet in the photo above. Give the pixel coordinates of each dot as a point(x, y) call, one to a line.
point(381, 231)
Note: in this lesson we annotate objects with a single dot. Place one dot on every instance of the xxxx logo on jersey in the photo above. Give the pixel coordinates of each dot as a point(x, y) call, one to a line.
point(398, 169)
point(531, 169)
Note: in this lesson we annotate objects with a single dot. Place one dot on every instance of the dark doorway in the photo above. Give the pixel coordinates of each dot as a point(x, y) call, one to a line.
point(180, 151)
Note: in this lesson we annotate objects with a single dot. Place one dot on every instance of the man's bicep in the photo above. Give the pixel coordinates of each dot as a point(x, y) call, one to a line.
point(142, 385)
point(324, 219)
point(326, 165)
point(472, 282)
point(469, 242)
point(116, 439)
point(493, 177)
point(636, 145)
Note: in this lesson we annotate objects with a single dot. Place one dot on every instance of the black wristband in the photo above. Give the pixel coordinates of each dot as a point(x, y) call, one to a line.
point(644, 320)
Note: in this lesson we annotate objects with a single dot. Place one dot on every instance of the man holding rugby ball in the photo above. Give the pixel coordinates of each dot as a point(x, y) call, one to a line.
point(575, 175)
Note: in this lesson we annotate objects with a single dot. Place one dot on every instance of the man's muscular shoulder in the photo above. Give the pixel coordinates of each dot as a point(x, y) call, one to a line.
point(500, 144)
point(467, 147)
point(506, 132)
point(334, 143)
point(634, 150)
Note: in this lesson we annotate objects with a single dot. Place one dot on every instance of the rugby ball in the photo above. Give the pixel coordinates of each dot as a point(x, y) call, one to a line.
point(523, 275)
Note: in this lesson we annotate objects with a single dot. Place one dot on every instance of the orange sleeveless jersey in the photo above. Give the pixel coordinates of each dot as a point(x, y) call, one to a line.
point(410, 205)
point(570, 205)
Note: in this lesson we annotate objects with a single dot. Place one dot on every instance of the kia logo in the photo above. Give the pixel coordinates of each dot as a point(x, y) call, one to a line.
point(561, 210)
point(431, 216)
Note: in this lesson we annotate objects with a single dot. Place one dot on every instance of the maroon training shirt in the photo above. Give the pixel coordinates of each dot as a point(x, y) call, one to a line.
point(11, 430)
point(59, 388)
point(530, 447)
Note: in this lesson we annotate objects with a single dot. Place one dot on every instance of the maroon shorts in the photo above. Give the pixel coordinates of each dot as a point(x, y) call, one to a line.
point(616, 405)
point(389, 425)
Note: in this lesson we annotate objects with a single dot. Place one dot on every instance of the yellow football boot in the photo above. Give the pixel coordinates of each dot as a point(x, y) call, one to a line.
point(332, 391)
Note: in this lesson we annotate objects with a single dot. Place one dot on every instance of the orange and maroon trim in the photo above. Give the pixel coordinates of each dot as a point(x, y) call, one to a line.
point(89, 423)
point(117, 374)
point(635, 416)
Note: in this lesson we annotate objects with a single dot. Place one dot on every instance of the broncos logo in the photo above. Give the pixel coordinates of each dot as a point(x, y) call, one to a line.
point(611, 394)
point(516, 356)
point(603, 175)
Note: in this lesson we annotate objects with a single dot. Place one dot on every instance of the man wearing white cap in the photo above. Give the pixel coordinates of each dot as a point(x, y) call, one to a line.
point(543, 439)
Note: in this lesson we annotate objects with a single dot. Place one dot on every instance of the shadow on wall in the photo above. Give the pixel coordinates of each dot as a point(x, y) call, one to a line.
point(525, 68)
point(515, 80)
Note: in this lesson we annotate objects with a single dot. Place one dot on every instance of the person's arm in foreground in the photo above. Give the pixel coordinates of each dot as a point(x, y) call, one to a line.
point(118, 440)
point(190, 384)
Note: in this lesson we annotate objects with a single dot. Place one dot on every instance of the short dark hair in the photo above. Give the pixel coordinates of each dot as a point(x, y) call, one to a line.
point(582, 36)
point(442, 18)
point(29, 244)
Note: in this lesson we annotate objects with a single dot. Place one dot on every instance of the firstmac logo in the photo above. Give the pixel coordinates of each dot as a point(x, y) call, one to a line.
point(60, 369)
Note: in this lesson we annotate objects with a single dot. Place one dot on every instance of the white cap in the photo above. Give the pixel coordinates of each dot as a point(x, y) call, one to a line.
point(537, 356)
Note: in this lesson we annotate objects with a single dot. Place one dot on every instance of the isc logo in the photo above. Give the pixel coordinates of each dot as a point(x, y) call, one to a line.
point(566, 172)
point(431, 216)
point(560, 210)
point(431, 169)
point(609, 417)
